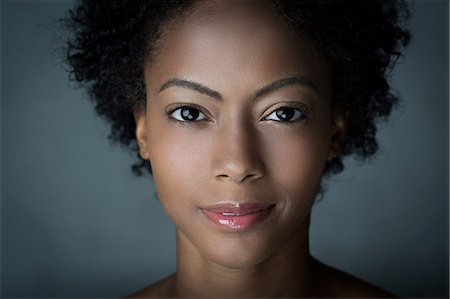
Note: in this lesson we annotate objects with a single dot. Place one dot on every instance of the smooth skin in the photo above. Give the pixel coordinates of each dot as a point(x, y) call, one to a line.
point(239, 109)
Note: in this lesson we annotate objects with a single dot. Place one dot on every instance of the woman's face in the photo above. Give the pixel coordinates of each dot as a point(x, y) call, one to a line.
point(237, 128)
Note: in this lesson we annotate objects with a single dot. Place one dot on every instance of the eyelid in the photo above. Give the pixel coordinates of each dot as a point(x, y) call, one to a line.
point(172, 108)
point(307, 110)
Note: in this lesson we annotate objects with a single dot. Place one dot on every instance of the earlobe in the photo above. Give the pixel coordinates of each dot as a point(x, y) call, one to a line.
point(340, 128)
point(141, 131)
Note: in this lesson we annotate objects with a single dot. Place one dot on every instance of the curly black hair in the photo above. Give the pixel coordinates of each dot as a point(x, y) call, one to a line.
point(111, 42)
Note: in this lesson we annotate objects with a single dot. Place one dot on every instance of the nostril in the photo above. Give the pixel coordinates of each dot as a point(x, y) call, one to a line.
point(239, 178)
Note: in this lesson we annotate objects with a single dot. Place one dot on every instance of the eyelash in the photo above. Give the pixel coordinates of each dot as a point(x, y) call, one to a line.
point(172, 110)
point(303, 113)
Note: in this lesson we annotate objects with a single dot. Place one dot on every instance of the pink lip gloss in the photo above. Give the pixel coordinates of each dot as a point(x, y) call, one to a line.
point(237, 217)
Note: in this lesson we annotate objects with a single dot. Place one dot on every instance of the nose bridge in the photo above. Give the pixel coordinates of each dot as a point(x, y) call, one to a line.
point(237, 155)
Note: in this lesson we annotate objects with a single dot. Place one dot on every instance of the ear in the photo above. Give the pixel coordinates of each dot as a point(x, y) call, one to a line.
point(141, 131)
point(340, 129)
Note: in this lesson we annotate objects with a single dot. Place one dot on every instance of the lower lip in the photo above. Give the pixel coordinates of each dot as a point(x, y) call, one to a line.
point(238, 223)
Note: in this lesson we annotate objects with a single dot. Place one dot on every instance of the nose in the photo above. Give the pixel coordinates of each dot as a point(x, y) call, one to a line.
point(237, 156)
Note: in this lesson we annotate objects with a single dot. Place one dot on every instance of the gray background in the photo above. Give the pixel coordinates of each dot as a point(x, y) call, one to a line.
point(76, 223)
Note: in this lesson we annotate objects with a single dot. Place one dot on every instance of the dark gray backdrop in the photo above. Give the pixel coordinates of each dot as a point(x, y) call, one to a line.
point(76, 223)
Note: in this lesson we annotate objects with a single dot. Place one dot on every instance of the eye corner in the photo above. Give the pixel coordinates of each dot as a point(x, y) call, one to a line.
point(186, 114)
point(289, 114)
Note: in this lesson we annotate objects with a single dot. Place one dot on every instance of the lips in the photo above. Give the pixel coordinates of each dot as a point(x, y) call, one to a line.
point(237, 217)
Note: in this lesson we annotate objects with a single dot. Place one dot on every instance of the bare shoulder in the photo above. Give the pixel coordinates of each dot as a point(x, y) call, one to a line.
point(160, 289)
point(339, 284)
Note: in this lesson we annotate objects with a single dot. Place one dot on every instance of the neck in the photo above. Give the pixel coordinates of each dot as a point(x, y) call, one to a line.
point(288, 272)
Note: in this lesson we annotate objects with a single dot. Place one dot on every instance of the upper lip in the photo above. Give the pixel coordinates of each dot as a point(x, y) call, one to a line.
point(237, 209)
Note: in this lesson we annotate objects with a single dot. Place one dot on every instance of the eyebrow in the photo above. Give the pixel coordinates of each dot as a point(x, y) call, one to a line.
point(191, 85)
point(296, 80)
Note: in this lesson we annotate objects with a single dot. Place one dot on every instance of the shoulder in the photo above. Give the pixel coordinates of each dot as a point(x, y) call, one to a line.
point(339, 284)
point(160, 289)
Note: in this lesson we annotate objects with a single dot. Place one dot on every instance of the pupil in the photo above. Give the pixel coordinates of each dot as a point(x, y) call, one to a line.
point(189, 113)
point(285, 113)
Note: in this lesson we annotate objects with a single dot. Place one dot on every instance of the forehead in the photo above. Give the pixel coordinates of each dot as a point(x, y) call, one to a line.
point(244, 41)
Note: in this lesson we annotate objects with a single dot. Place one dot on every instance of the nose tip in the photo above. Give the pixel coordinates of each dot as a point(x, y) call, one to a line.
point(238, 161)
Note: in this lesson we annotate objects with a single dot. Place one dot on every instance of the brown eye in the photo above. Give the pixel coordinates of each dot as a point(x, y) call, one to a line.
point(285, 114)
point(187, 113)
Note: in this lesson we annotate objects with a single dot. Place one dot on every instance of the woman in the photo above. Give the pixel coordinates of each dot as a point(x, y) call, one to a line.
point(241, 108)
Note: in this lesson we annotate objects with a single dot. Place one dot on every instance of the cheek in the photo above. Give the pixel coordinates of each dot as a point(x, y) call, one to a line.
point(296, 160)
point(178, 157)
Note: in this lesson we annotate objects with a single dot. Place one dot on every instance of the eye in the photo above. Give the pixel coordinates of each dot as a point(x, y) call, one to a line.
point(187, 113)
point(285, 114)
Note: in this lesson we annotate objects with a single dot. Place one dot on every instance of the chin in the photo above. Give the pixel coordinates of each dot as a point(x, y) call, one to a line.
point(238, 252)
